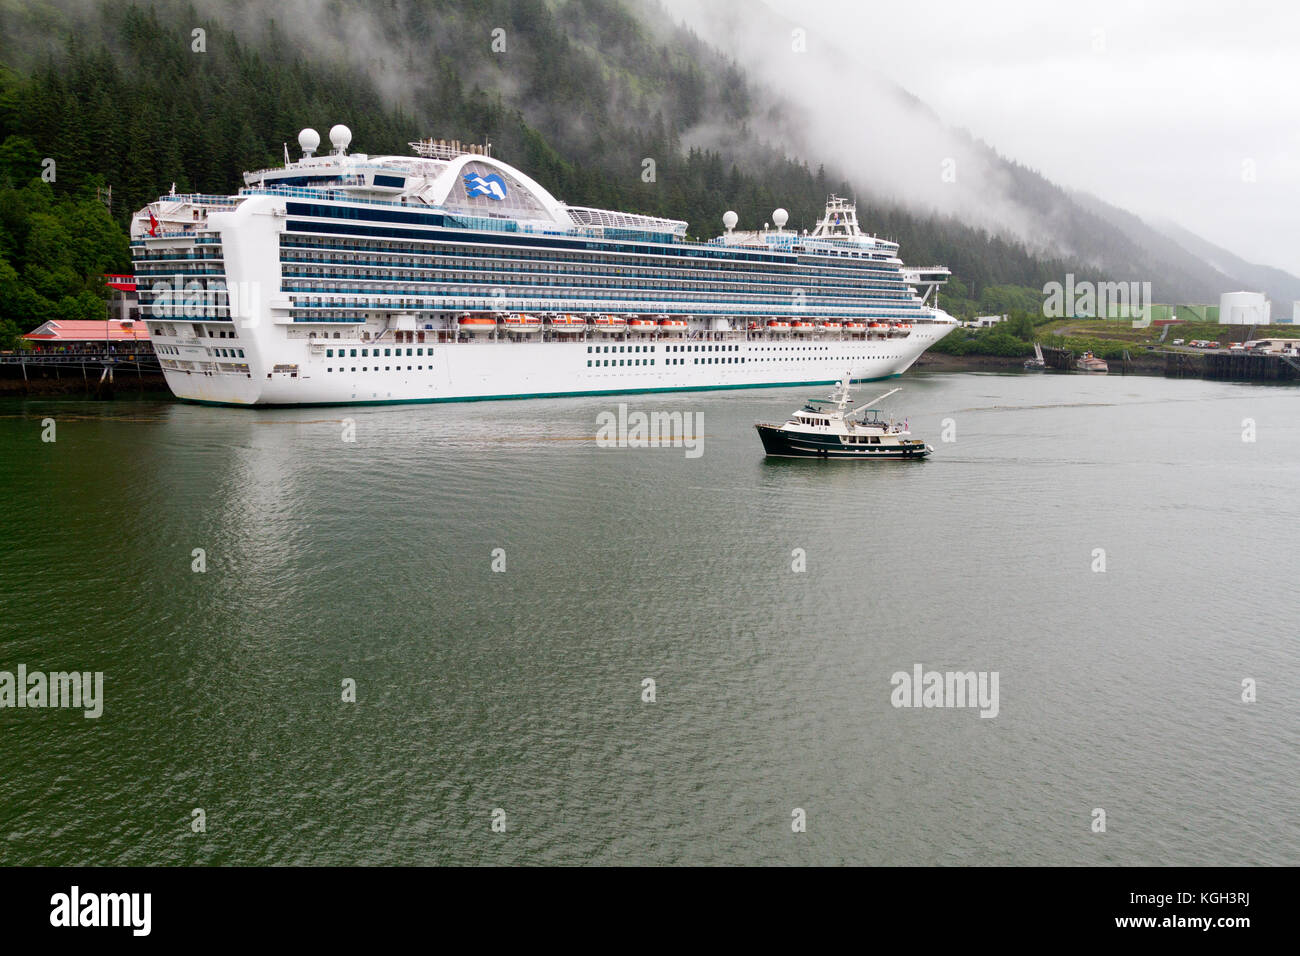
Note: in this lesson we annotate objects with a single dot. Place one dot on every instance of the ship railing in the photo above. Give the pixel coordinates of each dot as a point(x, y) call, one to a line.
point(201, 199)
point(330, 195)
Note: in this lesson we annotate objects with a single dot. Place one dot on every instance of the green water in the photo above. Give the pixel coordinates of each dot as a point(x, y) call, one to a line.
point(371, 560)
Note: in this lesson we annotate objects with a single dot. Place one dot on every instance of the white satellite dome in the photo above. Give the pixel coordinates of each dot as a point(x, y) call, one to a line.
point(340, 136)
point(308, 139)
point(729, 219)
point(780, 217)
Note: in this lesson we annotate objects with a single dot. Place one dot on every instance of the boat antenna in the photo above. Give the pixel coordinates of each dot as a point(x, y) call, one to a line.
point(874, 400)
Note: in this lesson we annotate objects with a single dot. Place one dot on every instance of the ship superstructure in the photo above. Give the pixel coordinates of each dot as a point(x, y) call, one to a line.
point(451, 275)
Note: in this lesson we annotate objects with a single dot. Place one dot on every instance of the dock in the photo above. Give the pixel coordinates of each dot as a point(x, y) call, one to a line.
point(1247, 367)
point(93, 372)
point(1218, 365)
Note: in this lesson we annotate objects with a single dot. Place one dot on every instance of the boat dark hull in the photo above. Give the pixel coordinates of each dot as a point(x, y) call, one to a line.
point(782, 444)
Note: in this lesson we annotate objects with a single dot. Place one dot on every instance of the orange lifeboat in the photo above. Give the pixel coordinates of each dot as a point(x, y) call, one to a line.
point(567, 323)
point(855, 327)
point(610, 323)
point(672, 325)
point(520, 322)
point(638, 324)
point(778, 325)
point(878, 326)
point(802, 326)
point(832, 326)
point(476, 324)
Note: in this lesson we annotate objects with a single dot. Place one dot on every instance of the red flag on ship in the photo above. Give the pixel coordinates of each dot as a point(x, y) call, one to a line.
point(153, 224)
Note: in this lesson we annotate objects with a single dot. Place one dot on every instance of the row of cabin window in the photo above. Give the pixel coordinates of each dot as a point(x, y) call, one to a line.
point(329, 353)
point(387, 368)
point(712, 360)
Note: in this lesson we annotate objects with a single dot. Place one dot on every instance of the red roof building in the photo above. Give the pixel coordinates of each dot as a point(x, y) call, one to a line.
point(78, 332)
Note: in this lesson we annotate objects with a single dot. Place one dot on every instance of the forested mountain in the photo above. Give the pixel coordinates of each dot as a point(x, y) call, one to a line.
point(578, 93)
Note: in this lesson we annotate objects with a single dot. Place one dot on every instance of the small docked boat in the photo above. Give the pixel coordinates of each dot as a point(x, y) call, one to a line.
point(825, 428)
point(1036, 364)
point(1090, 363)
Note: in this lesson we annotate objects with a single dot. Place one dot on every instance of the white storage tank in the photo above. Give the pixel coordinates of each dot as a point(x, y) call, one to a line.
point(1243, 308)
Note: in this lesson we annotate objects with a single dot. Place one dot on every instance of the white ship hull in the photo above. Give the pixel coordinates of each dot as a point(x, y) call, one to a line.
point(470, 371)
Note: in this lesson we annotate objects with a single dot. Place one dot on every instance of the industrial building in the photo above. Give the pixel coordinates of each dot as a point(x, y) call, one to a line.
point(1244, 308)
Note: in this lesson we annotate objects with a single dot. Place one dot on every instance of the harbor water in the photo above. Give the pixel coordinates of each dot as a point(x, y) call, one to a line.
point(499, 587)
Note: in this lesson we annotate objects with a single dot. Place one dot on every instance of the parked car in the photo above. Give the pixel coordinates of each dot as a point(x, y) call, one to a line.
point(1178, 341)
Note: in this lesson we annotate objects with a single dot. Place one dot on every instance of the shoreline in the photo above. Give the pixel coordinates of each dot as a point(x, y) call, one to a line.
point(1145, 363)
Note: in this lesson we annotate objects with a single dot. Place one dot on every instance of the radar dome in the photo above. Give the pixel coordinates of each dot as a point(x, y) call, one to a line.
point(729, 219)
point(308, 139)
point(340, 136)
point(780, 217)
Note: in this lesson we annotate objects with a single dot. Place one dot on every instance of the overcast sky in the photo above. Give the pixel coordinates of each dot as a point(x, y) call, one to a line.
point(1187, 111)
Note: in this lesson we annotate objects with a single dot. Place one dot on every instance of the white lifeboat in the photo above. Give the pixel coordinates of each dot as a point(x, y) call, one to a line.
point(568, 323)
point(802, 326)
point(639, 324)
point(610, 323)
point(522, 322)
point(778, 325)
point(672, 325)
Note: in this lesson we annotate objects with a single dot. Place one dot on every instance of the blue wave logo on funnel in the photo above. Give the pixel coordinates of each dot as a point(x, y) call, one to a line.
point(491, 185)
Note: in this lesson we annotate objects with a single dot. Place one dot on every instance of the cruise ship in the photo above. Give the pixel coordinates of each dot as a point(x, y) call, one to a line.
point(449, 275)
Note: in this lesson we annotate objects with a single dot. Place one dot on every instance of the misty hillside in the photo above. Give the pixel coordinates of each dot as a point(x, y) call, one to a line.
point(1282, 287)
point(890, 144)
point(578, 93)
